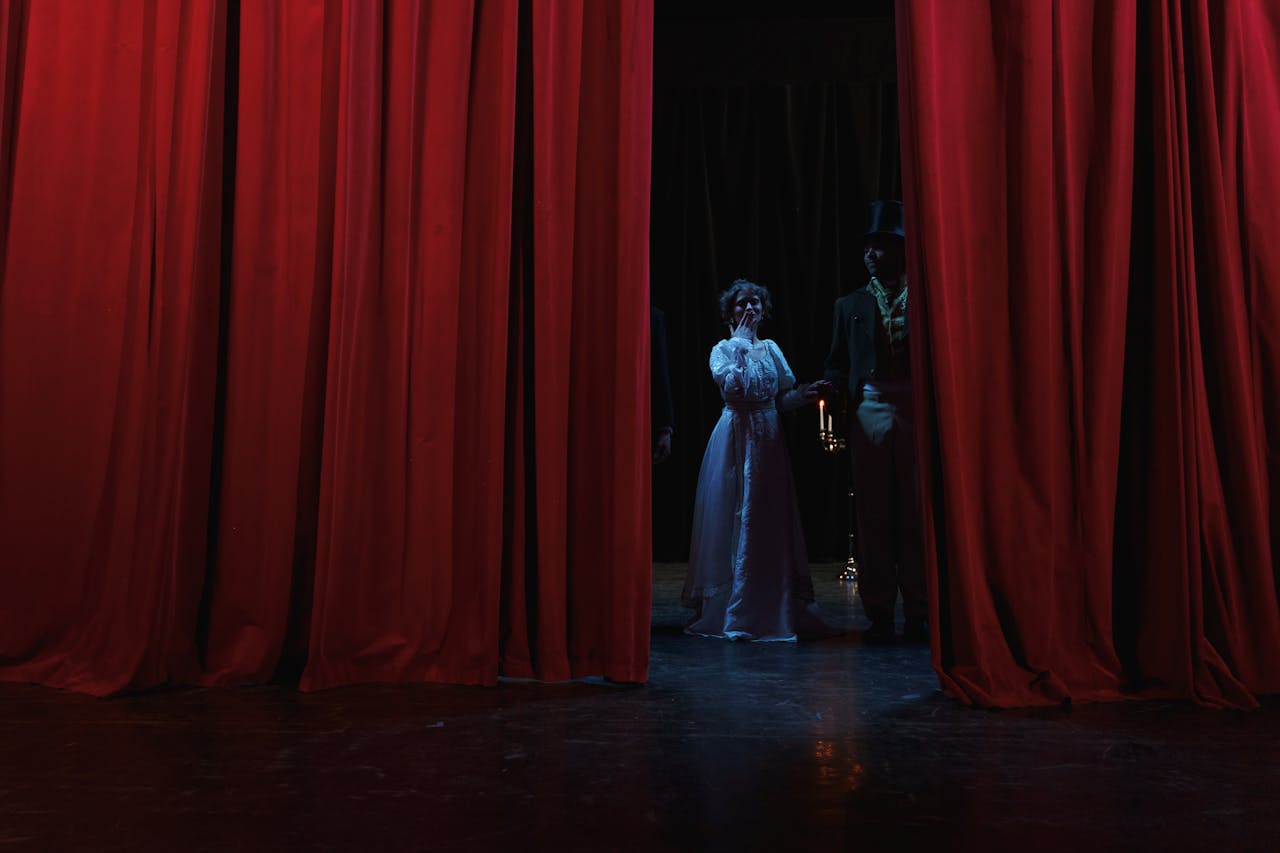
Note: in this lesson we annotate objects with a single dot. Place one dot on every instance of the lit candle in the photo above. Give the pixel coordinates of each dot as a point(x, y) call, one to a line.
point(822, 417)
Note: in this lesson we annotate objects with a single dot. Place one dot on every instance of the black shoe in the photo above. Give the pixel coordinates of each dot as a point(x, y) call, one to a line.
point(916, 631)
point(879, 634)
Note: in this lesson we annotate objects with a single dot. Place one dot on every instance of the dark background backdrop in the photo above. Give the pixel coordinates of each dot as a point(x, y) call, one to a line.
point(773, 129)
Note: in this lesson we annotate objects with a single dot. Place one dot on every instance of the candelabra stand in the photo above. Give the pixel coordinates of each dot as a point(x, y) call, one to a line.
point(832, 443)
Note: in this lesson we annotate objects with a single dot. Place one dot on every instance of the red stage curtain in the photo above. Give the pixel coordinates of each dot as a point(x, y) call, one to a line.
point(1103, 343)
point(108, 338)
point(310, 401)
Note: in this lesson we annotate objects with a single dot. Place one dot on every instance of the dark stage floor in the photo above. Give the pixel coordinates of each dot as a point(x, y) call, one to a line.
point(827, 746)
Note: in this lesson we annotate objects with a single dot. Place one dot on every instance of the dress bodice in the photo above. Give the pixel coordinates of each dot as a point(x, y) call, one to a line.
point(748, 372)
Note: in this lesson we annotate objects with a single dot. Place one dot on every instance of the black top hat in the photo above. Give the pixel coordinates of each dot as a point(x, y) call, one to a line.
point(886, 218)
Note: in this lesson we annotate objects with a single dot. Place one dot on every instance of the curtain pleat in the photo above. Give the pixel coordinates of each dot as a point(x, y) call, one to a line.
point(108, 340)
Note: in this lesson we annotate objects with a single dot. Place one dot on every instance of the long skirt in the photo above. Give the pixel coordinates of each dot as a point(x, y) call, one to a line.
point(748, 568)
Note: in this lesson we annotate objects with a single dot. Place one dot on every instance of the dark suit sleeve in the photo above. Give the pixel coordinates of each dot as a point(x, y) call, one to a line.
point(660, 376)
point(837, 366)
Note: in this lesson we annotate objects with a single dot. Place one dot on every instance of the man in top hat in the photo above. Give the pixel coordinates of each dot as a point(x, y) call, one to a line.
point(869, 361)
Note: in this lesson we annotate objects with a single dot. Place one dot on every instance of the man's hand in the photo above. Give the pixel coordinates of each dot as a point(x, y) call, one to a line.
point(662, 446)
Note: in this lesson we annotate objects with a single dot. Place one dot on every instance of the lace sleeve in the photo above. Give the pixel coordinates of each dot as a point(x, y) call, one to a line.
point(789, 395)
point(730, 368)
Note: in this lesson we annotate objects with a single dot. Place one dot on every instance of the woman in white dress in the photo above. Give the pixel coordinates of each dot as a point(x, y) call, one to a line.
point(748, 569)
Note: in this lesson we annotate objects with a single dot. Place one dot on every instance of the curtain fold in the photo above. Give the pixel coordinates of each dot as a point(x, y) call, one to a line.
point(274, 340)
point(396, 482)
point(256, 356)
point(108, 340)
point(1208, 367)
point(583, 294)
point(1099, 476)
point(13, 30)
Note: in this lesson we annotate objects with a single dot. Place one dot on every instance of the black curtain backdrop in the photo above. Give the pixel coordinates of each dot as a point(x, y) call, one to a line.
point(772, 130)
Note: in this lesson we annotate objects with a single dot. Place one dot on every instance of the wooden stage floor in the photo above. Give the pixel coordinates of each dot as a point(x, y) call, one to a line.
point(826, 746)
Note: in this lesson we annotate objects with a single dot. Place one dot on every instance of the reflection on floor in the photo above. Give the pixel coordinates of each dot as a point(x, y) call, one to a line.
point(825, 746)
point(838, 601)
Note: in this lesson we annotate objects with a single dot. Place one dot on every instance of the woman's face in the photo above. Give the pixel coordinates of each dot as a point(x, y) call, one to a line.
point(747, 305)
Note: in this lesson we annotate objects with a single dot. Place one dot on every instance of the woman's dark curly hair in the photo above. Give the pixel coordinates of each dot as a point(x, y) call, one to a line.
point(730, 296)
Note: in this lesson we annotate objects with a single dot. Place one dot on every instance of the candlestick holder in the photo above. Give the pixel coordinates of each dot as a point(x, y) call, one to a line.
point(832, 443)
point(849, 574)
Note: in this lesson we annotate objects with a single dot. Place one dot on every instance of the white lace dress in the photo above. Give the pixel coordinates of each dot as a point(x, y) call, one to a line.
point(748, 569)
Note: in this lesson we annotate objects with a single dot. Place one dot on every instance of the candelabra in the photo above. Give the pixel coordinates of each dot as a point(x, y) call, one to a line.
point(832, 443)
